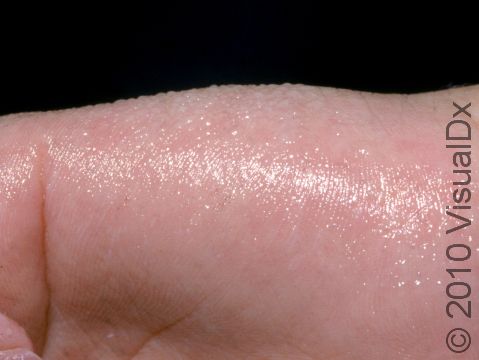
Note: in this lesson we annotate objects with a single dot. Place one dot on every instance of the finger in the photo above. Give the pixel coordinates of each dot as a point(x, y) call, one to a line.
point(210, 215)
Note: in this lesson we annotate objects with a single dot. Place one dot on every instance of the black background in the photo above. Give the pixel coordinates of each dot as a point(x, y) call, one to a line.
point(54, 57)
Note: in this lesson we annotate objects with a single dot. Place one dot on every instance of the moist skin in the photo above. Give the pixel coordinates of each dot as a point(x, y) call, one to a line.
point(267, 220)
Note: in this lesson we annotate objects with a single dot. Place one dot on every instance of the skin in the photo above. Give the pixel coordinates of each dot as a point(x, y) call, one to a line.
point(236, 222)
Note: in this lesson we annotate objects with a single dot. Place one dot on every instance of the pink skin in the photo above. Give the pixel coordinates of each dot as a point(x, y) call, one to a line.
point(270, 222)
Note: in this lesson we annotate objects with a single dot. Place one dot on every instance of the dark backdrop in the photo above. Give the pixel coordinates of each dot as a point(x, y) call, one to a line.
point(53, 57)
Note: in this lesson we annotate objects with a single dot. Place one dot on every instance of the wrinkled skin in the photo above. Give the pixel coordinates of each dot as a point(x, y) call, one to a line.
point(270, 222)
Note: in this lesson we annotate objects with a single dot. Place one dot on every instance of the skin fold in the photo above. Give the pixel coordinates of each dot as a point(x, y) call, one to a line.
point(235, 222)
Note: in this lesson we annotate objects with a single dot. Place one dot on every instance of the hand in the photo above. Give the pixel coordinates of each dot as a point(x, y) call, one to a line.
point(269, 222)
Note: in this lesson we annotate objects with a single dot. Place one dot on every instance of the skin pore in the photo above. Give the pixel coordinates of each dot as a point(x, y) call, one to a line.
point(233, 222)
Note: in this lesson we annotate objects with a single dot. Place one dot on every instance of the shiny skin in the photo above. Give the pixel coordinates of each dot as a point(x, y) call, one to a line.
point(233, 222)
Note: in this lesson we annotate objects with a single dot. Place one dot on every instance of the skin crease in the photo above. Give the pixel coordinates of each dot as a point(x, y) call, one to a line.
point(233, 222)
